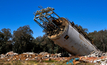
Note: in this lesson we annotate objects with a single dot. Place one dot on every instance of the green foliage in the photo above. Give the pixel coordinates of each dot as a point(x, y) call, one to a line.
point(5, 43)
point(100, 39)
point(22, 39)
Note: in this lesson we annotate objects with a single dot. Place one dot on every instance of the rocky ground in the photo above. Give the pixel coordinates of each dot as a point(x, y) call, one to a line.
point(44, 58)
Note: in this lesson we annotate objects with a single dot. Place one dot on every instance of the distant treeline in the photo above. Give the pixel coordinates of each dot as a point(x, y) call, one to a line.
point(22, 41)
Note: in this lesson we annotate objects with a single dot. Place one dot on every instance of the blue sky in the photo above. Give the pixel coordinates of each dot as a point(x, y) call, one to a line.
point(90, 14)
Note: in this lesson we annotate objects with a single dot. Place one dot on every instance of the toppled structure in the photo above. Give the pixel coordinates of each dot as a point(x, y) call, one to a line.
point(63, 33)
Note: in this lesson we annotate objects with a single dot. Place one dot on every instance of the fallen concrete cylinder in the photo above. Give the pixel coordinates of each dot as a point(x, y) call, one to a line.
point(72, 41)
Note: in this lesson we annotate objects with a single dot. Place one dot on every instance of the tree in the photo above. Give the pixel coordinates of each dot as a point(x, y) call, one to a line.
point(5, 36)
point(22, 39)
point(100, 39)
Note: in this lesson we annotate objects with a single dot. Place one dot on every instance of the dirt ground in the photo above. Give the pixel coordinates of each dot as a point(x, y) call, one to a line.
point(34, 62)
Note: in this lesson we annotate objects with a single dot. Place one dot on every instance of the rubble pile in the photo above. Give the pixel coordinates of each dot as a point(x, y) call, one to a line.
point(96, 57)
point(43, 56)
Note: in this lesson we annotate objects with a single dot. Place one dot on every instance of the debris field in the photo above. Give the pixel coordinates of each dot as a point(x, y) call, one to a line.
point(44, 56)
